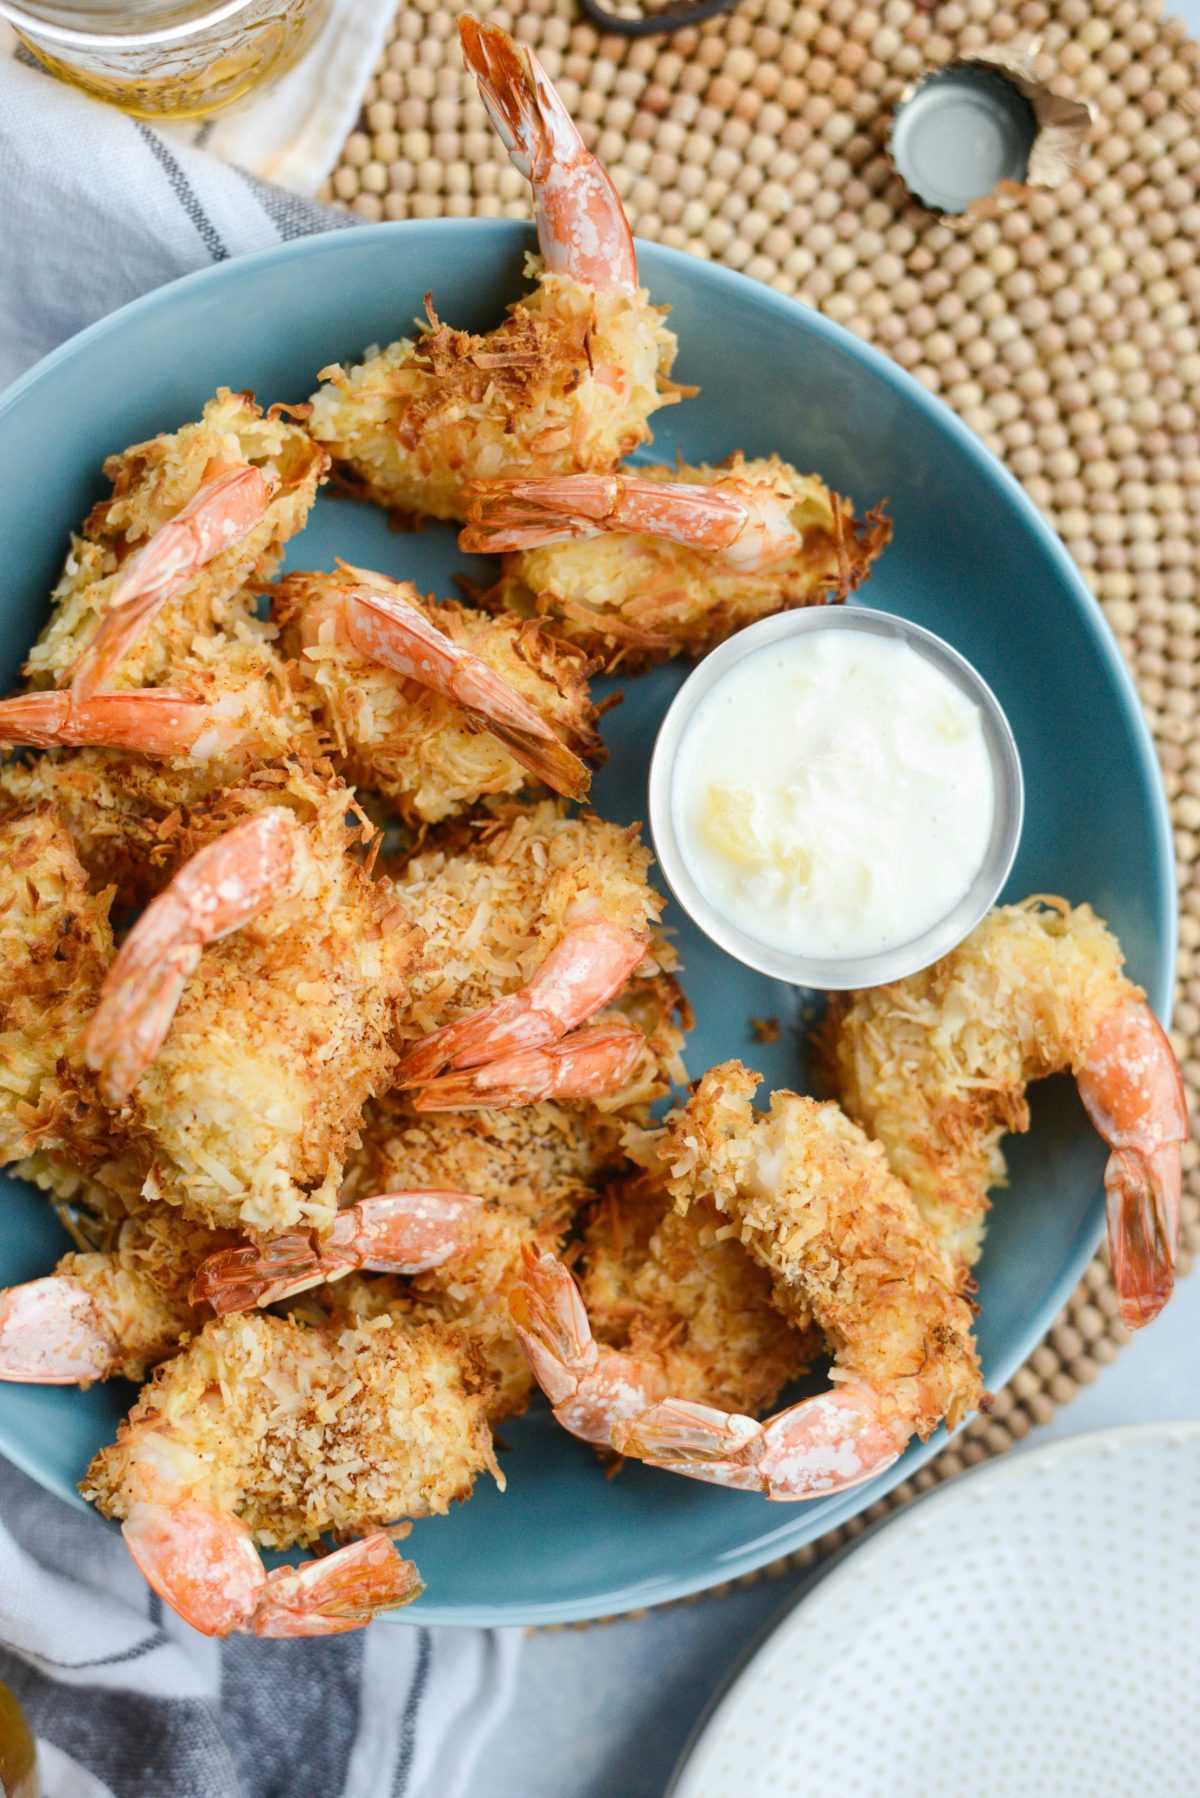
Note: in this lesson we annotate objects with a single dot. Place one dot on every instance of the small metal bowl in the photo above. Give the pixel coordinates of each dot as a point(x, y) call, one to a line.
point(835, 975)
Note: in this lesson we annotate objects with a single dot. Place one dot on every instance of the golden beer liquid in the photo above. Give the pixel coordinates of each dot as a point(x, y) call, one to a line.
point(18, 1752)
point(185, 79)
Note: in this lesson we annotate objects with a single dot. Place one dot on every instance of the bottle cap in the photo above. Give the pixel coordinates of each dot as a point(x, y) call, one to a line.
point(971, 138)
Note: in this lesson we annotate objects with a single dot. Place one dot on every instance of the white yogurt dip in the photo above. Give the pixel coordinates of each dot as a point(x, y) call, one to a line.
point(833, 794)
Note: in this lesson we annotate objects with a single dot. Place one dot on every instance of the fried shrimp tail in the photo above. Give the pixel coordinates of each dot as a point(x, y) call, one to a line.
point(389, 628)
point(231, 502)
point(1133, 1090)
point(117, 1304)
point(590, 1062)
point(826, 1444)
point(548, 760)
point(146, 720)
point(396, 1232)
point(221, 889)
point(668, 1304)
point(637, 565)
point(582, 228)
point(204, 1564)
point(591, 1389)
point(586, 968)
point(745, 525)
point(341, 1591)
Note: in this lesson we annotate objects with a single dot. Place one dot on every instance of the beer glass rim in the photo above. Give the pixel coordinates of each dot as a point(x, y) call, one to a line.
point(46, 30)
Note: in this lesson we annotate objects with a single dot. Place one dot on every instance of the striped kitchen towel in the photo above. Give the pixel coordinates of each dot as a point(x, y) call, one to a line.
point(97, 208)
point(128, 1702)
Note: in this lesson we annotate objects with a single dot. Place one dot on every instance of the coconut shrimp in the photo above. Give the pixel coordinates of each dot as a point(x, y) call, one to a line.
point(151, 753)
point(636, 567)
point(112, 1311)
point(433, 706)
point(131, 760)
point(251, 1010)
point(232, 700)
point(194, 516)
point(667, 1304)
point(565, 384)
point(266, 1430)
point(936, 1068)
point(56, 949)
point(846, 1249)
point(533, 921)
point(531, 1170)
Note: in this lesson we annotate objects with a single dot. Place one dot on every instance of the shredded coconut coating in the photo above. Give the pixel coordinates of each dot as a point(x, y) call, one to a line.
point(815, 1203)
point(682, 1291)
point(359, 1297)
point(565, 385)
point(495, 894)
point(534, 1166)
point(115, 807)
point(90, 1206)
point(139, 1287)
point(419, 750)
point(935, 1067)
point(151, 483)
point(283, 1032)
point(55, 948)
point(301, 1429)
point(123, 808)
point(135, 1258)
point(634, 600)
point(658, 1007)
point(533, 1159)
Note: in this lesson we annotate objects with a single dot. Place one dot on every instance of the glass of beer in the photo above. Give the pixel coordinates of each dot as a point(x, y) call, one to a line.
point(167, 59)
point(18, 1751)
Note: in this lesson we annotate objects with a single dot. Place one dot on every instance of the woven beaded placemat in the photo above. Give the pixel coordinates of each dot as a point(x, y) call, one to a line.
point(1066, 332)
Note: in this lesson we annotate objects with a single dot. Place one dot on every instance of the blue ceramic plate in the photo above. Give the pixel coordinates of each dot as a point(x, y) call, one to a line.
point(971, 560)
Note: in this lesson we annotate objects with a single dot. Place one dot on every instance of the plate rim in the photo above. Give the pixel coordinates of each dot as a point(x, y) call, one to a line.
point(508, 235)
point(865, 1549)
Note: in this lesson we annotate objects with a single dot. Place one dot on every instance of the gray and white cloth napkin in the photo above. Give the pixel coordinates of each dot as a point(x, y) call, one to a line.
point(127, 1701)
point(97, 208)
point(291, 132)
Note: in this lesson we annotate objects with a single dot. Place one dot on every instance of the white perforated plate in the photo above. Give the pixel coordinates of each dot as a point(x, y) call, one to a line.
point(1032, 1629)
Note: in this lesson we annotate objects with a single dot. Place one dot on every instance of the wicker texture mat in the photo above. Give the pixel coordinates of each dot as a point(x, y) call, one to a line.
point(1065, 332)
